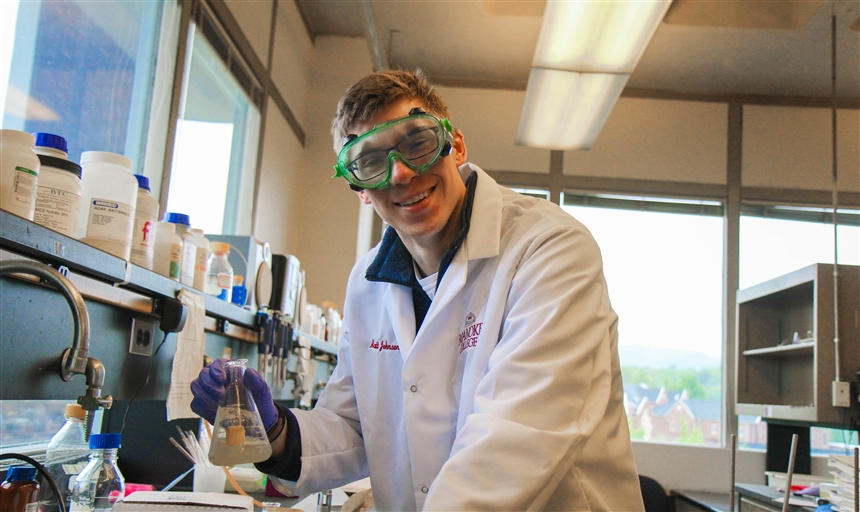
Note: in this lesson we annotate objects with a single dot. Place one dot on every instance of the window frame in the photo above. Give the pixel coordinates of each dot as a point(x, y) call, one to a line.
point(204, 16)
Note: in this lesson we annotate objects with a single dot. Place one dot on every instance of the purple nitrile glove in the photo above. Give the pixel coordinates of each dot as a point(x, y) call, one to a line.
point(208, 389)
point(256, 384)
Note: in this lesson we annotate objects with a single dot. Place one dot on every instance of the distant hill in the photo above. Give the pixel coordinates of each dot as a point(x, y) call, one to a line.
point(641, 355)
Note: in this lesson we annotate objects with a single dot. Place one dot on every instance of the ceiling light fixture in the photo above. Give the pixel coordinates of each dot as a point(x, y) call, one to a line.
point(585, 54)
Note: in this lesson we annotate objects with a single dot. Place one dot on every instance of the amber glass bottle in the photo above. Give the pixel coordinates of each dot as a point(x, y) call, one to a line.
point(20, 491)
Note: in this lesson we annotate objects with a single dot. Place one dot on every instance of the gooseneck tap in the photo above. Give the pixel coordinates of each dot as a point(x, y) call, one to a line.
point(75, 359)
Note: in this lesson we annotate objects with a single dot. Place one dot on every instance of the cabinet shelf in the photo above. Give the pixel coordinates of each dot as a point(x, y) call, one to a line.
point(793, 381)
point(797, 350)
point(31, 240)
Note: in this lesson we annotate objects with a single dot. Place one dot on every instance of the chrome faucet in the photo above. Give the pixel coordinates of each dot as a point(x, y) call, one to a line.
point(75, 359)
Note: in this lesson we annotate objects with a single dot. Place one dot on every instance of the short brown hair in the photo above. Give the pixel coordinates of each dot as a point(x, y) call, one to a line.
point(379, 90)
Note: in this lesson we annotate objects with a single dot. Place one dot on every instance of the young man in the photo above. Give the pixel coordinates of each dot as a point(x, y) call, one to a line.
point(478, 367)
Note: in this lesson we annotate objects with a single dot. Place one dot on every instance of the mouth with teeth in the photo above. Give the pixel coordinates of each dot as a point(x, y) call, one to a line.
point(416, 199)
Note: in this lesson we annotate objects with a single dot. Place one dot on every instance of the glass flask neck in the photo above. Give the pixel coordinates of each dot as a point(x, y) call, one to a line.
point(236, 370)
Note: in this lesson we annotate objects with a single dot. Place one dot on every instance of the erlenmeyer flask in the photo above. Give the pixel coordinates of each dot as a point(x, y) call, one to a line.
point(239, 436)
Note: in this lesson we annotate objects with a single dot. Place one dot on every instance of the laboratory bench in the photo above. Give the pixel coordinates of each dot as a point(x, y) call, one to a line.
point(750, 498)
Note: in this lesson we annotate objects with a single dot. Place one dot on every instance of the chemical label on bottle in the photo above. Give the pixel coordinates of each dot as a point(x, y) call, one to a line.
point(202, 260)
point(175, 261)
point(189, 257)
point(32, 507)
point(110, 221)
point(143, 241)
point(57, 209)
point(24, 187)
point(225, 281)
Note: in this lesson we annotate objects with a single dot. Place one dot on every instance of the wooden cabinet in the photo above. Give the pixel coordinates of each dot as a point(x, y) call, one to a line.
point(786, 361)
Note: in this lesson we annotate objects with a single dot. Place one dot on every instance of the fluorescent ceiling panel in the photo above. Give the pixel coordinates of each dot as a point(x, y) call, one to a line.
point(565, 109)
point(597, 36)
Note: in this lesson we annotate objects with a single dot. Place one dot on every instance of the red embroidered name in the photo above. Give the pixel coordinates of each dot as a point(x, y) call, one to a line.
point(383, 345)
point(469, 336)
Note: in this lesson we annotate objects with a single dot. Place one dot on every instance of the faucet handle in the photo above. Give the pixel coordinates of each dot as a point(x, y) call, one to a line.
point(92, 403)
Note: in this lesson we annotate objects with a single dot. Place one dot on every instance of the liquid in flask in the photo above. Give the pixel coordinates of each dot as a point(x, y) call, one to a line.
point(239, 436)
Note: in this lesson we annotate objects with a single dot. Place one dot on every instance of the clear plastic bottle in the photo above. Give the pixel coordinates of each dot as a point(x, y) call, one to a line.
point(145, 219)
point(67, 453)
point(219, 272)
point(189, 245)
point(58, 201)
point(20, 491)
point(167, 258)
point(201, 261)
point(101, 483)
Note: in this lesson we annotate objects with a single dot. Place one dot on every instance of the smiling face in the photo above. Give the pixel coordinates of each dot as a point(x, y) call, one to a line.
point(425, 209)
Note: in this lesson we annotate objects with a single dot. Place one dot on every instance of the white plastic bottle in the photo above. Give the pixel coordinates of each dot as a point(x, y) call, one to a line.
point(167, 258)
point(202, 260)
point(219, 273)
point(58, 201)
point(19, 173)
point(101, 483)
point(109, 201)
point(145, 219)
point(189, 245)
point(67, 454)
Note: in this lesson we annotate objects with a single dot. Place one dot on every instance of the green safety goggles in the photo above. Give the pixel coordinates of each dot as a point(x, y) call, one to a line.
point(418, 140)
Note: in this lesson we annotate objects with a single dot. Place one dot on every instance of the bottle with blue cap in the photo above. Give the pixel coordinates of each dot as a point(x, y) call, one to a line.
point(189, 245)
point(100, 484)
point(58, 200)
point(145, 221)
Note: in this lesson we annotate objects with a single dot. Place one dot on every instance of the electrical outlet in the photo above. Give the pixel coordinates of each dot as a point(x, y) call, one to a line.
point(142, 337)
point(841, 394)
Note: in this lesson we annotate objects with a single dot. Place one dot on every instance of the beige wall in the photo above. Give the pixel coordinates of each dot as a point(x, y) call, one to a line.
point(658, 140)
point(278, 191)
point(255, 19)
point(328, 216)
point(489, 120)
point(791, 147)
point(291, 59)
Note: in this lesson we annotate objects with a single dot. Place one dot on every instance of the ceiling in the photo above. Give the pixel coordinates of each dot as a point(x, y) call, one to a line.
point(748, 47)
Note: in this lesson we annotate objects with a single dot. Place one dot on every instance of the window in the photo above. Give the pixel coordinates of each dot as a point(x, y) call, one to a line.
point(776, 240)
point(214, 164)
point(88, 71)
point(83, 70)
point(663, 265)
point(29, 422)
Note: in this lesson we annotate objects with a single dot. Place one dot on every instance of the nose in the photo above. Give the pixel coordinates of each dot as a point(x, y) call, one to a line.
point(401, 174)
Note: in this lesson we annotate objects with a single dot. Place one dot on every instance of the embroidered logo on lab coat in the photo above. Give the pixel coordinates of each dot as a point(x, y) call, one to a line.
point(383, 345)
point(469, 335)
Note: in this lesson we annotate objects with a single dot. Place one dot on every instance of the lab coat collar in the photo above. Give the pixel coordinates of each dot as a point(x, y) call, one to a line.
point(486, 220)
point(393, 262)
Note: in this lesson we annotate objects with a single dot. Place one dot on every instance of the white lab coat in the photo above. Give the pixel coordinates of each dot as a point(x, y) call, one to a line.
point(508, 398)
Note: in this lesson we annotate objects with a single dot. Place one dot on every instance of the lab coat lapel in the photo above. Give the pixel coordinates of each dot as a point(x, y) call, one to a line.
point(481, 242)
point(398, 302)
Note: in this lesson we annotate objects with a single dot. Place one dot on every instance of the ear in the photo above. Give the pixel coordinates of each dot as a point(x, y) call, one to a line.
point(363, 197)
point(458, 150)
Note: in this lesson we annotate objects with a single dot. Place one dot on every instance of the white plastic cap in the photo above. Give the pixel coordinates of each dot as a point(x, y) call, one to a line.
point(106, 157)
point(17, 136)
